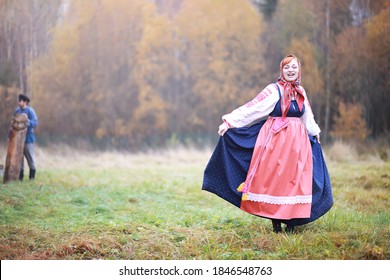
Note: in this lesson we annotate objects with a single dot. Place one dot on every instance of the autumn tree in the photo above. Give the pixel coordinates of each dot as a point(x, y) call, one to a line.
point(349, 123)
point(221, 54)
point(88, 83)
point(24, 36)
point(289, 22)
point(132, 73)
point(312, 75)
point(377, 50)
point(24, 26)
point(152, 76)
point(361, 60)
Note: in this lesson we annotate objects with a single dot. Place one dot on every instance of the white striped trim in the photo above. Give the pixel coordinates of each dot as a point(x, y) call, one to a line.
point(279, 199)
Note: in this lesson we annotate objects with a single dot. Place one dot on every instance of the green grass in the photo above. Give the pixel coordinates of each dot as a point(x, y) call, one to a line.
point(149, 207)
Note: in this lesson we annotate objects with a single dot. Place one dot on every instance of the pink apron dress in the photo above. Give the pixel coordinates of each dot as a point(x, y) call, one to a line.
point(279, 180)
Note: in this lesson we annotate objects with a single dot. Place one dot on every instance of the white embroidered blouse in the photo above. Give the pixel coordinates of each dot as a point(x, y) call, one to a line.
point(262, 105)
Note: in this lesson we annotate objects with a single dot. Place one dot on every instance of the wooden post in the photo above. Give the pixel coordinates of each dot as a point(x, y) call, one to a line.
point(15, 150)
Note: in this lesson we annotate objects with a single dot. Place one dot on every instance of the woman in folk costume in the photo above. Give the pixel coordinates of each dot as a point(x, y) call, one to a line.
point(269, 162)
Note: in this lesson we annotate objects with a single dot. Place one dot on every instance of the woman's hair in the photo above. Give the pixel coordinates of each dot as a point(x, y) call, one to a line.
point(287, 59)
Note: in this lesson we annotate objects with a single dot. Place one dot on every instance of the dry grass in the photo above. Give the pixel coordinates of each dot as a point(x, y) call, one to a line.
point(62, 156)
point(342, 152)
point(115, 205)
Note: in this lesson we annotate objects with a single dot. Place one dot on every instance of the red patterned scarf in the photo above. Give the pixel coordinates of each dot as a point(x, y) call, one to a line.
point(291, 89)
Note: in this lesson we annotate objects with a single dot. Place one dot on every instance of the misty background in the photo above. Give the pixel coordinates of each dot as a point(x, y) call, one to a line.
point(142, 73)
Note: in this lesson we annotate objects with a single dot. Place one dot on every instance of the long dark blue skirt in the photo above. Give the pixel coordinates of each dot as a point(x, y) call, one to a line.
point(229, 164)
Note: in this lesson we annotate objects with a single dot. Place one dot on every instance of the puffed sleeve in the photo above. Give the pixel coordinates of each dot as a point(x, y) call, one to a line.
point(308, 118)
point(259, 108)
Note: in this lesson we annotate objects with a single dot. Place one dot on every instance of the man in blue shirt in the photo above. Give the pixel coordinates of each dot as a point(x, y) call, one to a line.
point(32, 122)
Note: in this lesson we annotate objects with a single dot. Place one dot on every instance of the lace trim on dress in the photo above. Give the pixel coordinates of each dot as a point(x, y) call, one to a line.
point(279, 199)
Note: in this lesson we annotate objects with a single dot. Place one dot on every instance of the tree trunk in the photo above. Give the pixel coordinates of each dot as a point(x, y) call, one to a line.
point(17, 138)
point(327, 72)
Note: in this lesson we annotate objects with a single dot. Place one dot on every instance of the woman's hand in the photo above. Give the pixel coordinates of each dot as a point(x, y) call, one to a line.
point(223, 128)
point(318, 139)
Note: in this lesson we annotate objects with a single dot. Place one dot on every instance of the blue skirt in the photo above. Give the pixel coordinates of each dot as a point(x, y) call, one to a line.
point(229, 164)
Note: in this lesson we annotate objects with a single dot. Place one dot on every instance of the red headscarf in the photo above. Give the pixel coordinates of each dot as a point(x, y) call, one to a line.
point(291, 89)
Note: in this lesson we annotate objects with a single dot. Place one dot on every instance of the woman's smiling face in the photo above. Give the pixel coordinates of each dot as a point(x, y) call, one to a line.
point(291, 71)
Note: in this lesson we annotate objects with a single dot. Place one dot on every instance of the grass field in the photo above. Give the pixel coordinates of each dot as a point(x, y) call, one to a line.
point(150, 206)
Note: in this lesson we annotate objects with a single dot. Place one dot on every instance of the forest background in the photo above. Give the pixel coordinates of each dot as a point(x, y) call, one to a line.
point(152, 73)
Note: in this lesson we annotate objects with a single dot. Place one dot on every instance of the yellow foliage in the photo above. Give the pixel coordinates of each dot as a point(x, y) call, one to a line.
point(378, 45)
point(378, 29)
point(224, 51)
point(349, 124)
point(141, 69)
point(100, 133)
point(312, 80)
